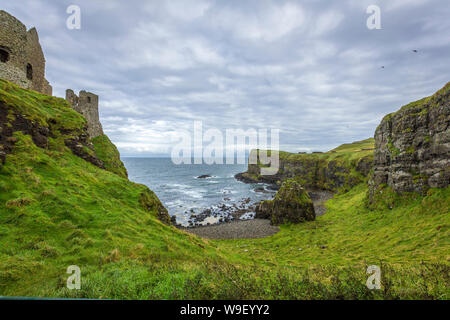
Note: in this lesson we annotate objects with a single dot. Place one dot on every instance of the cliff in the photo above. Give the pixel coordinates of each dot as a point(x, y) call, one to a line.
point(340, 168)
point(59, 142)
point(412, 146)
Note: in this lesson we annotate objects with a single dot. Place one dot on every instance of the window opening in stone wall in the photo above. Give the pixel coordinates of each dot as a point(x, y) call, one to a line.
point(29, 72)
point(4, 55)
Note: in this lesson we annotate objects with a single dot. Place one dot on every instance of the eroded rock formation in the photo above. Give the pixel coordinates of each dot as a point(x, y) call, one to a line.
point(291, 204)
point(329, 171)
point(412, 146)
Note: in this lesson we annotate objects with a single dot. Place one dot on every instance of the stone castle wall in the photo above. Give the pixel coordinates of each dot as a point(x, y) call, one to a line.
point(22, 60)
point(86, 103)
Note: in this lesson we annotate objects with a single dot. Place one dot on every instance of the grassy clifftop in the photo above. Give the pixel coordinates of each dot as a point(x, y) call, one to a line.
point(338, 169)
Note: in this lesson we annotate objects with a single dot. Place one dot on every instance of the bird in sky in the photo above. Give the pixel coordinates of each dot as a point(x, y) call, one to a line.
point(415, 50)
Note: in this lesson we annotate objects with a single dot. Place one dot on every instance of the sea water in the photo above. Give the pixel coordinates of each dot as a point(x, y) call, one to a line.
point(184, 194)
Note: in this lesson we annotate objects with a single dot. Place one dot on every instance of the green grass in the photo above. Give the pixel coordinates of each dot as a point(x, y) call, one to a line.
point(108, 153)
point(40, 108)
point(415, 230)
point(58, 210)
point(345, 152)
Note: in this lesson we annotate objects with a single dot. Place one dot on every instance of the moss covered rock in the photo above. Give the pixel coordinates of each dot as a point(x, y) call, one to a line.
point(291, 204)
point(412, 146)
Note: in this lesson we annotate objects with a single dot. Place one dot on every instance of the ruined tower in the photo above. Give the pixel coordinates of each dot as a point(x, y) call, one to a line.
point(86, 103)
point(21, 58)
point(22, 61)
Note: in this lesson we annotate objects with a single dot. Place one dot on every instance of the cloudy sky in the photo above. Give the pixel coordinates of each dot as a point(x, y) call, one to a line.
point(309, 68)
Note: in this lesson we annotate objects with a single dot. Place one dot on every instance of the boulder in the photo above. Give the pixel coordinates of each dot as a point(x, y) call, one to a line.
point(263, 210)
point(291, 204)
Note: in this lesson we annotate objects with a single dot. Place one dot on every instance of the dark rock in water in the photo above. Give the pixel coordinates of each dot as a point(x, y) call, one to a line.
point(173, 219)
point(412, 146)
point(262, 190)
point(273, 187)
point(291, 204)
point(244, 177)
point(205, 176)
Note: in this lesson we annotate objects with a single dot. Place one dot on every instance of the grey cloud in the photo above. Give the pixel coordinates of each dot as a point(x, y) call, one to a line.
point(309, 68)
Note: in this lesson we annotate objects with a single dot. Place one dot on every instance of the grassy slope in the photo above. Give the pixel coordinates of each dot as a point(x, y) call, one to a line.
point(108, 153)
point(415, 230)
point(57, 210)
point(345, 152)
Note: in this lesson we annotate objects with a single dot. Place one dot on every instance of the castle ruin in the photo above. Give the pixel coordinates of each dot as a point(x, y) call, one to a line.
point(21, 58)
point(86, 103)
point(22, 61)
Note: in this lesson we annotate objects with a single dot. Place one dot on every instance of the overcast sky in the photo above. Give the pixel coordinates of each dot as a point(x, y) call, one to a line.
point(309, 68)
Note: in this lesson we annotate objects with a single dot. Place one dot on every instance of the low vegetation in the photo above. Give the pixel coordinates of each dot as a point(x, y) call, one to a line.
point(339, 169)
point(57, 210)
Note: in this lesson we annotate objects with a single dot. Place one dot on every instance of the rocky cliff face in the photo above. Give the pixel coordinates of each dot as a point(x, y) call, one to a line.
point(341, 168)
point(412, 146)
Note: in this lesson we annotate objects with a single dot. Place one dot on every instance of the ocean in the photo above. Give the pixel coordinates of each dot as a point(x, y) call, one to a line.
point(210, 200)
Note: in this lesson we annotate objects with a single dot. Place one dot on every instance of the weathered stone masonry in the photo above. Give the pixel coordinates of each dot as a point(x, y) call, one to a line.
point(86, 103)
point(22, 61)
point(21, 58)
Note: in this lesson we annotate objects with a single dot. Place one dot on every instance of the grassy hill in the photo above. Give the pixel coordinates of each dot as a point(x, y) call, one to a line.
point(65, 200)
point(57, 209)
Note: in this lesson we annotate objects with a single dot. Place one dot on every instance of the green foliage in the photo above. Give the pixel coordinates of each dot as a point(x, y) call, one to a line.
point(291, 204)
point(40, 108)
point(108, 153)
point(408, 228)
point(58, 210)
point(393, 150)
